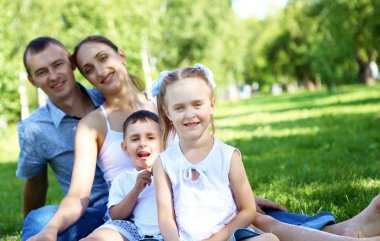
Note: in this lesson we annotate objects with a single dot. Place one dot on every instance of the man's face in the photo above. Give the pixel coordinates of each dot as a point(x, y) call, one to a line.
point(52, 71)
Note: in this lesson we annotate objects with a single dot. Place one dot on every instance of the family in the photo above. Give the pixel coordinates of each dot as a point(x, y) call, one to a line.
point(144, 167)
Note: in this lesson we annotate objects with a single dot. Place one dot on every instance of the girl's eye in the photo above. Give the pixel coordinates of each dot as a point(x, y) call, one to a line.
point(179, 108)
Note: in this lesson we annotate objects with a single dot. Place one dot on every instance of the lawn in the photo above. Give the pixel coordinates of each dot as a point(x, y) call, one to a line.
point(308, 151)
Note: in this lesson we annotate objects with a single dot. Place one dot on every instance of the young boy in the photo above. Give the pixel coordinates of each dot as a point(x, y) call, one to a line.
point(132, 201)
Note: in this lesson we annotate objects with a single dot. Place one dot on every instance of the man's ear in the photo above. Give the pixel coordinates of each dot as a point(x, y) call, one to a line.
point(31, 80)
point(124, 147)
point(122, 55)
point(73, 63)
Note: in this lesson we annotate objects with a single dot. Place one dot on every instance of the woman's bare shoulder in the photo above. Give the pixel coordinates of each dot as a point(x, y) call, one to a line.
point(94, 120)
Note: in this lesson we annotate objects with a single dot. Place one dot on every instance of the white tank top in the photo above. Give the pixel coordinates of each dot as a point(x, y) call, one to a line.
point(204, 206)
point(111, 159)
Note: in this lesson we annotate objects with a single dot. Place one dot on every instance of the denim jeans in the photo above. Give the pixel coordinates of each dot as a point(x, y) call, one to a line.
point(317, 221)
point(37, 219)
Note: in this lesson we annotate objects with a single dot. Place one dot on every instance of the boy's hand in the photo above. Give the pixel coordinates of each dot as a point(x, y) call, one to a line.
point(143, 179)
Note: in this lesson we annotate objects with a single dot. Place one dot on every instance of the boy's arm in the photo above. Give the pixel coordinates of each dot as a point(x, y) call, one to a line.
point(166, 219)
point(35, 189)
point(246, 207)
point(124, 208)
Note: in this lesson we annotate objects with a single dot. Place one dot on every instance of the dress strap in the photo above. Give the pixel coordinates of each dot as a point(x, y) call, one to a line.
point(105, 116)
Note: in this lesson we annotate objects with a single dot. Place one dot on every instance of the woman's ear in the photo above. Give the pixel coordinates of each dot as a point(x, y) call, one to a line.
point(122, 55)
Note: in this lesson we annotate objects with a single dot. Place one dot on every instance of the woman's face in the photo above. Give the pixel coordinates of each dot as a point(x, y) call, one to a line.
point(102, 66)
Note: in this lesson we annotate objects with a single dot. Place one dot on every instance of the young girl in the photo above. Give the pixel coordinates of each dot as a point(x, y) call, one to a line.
point(201, 184)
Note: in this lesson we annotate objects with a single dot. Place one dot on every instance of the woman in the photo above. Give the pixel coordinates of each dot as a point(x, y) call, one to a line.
point(99, 135)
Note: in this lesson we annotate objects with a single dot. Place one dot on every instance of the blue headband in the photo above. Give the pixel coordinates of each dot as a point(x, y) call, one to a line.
point(156, 86)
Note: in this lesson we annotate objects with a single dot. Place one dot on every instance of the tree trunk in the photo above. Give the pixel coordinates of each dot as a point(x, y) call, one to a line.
point(364, 75)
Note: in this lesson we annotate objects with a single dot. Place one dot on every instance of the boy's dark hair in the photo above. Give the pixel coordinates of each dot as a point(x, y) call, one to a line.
point(141, 115)
point(38, 45)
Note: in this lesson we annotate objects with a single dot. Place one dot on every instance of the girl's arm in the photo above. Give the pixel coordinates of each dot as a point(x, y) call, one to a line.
point(241, 189)
point(76, 201)
point(166, 219)
point(124, 208)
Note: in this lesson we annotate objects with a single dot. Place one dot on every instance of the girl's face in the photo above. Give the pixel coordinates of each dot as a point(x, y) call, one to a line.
point(189, 107)
point(101, 65)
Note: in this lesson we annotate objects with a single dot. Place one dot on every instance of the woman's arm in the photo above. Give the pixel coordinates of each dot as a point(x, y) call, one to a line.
point(76, 201)
point(246, 206)
point(166, 219)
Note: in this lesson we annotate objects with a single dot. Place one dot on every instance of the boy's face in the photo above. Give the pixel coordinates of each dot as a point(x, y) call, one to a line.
point(143, 143)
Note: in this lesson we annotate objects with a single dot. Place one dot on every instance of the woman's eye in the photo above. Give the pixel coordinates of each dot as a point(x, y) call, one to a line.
point(88, 70)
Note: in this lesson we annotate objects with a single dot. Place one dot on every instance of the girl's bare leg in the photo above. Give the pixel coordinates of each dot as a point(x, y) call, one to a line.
point(365, 224)
point(263, 237)
point(287, 232)
point(104, 234)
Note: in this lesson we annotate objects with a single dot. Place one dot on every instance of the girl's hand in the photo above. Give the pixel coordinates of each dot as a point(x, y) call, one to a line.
point(143, 179)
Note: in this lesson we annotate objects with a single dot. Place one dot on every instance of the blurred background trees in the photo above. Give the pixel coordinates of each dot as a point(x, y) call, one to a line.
point(309, 43)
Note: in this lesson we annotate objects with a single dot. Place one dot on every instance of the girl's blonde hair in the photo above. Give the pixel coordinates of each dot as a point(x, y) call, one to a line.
point(169, 78)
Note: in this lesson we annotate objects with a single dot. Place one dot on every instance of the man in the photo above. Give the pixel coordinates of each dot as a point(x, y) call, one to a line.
point(47, 137)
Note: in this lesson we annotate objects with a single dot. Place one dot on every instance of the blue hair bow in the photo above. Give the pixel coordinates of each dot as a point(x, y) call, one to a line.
point(156, 86)
point(208, 73)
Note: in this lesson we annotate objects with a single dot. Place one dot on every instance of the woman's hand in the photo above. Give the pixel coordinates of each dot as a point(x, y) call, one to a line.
point(262, 203)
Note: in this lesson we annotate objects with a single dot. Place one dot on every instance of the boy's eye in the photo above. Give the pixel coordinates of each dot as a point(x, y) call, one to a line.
point(103, 57)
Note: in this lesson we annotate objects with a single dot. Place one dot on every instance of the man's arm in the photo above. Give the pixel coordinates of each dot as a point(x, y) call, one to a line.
point(35, 189)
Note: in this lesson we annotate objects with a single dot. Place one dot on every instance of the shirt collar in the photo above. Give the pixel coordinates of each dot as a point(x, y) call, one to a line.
point(57, 114)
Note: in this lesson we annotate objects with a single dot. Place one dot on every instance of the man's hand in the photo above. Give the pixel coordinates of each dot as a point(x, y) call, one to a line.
point(262, 203)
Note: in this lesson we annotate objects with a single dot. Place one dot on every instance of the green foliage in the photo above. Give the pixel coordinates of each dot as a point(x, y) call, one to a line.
point(307, 42)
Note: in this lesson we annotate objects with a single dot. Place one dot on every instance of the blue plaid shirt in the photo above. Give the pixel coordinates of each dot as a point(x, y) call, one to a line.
point(47, 137)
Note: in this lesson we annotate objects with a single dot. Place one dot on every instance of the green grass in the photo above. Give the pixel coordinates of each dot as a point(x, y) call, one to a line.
point(308, 151)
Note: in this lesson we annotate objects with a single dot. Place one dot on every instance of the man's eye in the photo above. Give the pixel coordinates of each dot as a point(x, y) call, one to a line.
point(40, 73)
